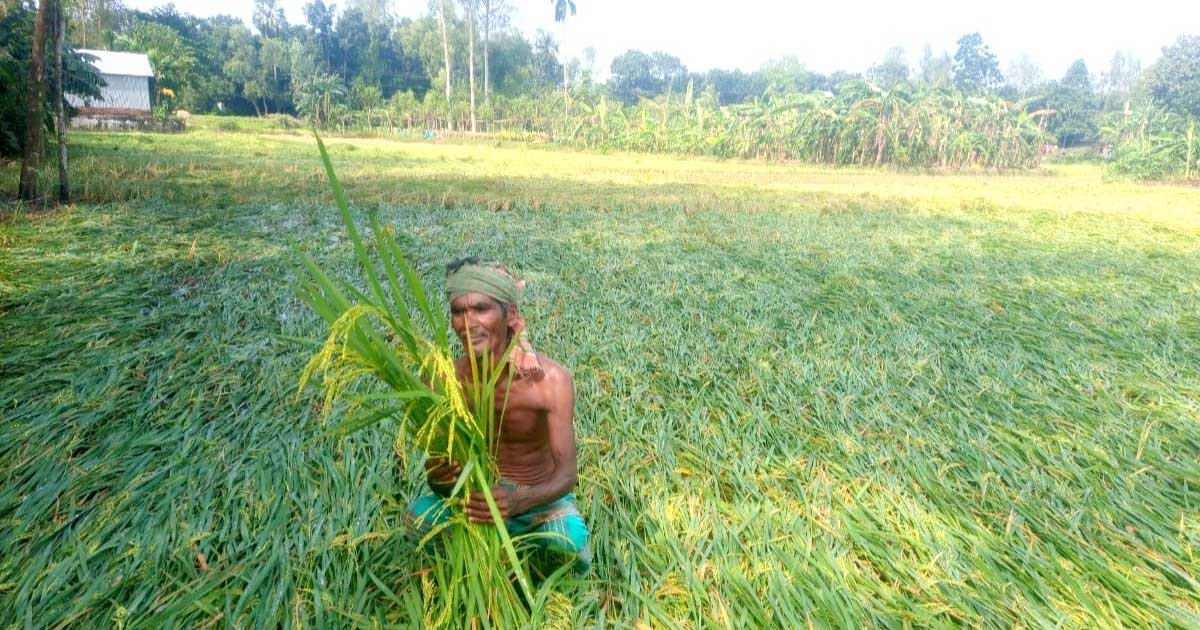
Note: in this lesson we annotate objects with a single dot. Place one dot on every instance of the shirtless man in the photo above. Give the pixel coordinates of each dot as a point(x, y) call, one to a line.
point(537, 441)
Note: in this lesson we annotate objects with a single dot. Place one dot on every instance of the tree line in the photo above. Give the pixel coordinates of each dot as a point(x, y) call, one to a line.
point(463, 67)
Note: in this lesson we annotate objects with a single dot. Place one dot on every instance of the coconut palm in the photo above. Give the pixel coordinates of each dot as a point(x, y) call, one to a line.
point(561, 7)
point(317, 97)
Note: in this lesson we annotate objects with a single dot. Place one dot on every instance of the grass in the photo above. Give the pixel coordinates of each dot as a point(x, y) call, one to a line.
point(805, 396)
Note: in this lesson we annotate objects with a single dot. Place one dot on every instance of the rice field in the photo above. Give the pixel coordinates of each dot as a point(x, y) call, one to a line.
point(806, 397)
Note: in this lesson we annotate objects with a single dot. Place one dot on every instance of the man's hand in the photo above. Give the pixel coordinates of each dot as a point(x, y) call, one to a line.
point(508, 501)
point(442, 474)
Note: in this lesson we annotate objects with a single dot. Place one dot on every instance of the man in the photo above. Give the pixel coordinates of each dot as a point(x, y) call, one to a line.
point(536, 452)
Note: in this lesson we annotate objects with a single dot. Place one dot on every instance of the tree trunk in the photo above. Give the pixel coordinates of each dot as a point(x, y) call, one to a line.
point(487, 39)
point(471, 57)
point(446, 57)
point(32, 149)
point(60, 117)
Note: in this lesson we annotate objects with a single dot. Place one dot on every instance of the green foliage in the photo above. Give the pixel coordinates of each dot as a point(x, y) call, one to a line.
point(976, 70)
point(547, 70)
point(861, 125)
point(890, 72)
point(1174, 81)
point(269, 18)
point(637, 75)
point(1154, 144)
point(317, 98)
point(788, 74)
point(513, 67)
point(173, 58)
point(16, 42)
point(1074, 104)
point(935, 72)
point(732, 86)
point(1118, 84)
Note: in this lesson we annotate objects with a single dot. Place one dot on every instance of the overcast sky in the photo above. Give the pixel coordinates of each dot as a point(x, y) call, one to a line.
point(828, 36)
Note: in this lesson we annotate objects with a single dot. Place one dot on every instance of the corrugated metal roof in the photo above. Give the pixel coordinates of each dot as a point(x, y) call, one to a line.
point(124, 63)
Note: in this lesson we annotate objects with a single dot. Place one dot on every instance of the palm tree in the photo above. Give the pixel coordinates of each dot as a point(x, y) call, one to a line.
point(318, 96)
point(560, 15)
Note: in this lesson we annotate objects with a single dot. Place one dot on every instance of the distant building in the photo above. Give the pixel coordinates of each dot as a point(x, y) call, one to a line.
point(129, 77)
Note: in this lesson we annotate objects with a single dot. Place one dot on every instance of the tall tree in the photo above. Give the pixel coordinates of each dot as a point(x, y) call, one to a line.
point(786, 74)
point(1118, 83)
point(975, 68)
point(637, 75)
point(172, 57)
point(268, 18)
point(890, 72)
point(935, 72)
point(445, 48)
point(496, 15)
point(1074, 107)
point(274, 72)
point(469, 9)
point(561, 7)
point(60, 116)
point(1077, 103)
point(92, 21)
point(1023, 74)
point(320, 21)
point(375, 12)
point(514, 66)
point(733, 86)
point(242, 65)
point(353, 37)
point(373, 64)
point(546, 68)
point(1174, 81)
point(34, 98)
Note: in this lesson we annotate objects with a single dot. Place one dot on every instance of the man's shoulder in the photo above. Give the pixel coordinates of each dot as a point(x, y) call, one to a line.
point(554, 374)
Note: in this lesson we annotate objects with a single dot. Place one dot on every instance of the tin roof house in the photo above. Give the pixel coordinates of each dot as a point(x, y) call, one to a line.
point(129, 78)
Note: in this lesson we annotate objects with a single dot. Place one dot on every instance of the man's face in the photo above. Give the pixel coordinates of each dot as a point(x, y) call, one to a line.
point(486, 321)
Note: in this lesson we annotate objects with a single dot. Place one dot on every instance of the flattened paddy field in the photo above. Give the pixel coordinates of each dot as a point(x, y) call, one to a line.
point(806, 397)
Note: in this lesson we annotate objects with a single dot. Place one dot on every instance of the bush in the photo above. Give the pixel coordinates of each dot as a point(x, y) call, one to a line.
point(1147, 164)
point(285, 121)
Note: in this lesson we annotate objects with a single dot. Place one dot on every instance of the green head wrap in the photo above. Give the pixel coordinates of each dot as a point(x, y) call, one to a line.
point(487, 278)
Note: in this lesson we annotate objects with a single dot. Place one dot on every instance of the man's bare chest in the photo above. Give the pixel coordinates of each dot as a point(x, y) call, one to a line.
point(521, 414)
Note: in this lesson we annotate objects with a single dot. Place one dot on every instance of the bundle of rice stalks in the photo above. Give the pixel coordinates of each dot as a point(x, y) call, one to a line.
point(475, 572)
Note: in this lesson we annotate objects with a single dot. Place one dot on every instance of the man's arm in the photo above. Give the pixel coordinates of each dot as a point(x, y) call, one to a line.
point(560, 433)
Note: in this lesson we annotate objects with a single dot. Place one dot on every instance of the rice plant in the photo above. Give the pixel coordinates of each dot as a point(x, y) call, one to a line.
point(842, 398)
point(476, 572)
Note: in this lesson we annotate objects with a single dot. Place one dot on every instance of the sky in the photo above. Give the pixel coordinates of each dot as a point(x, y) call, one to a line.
point(828, 36)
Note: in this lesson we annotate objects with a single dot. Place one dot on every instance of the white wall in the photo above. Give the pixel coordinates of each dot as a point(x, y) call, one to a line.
point(122, 91)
